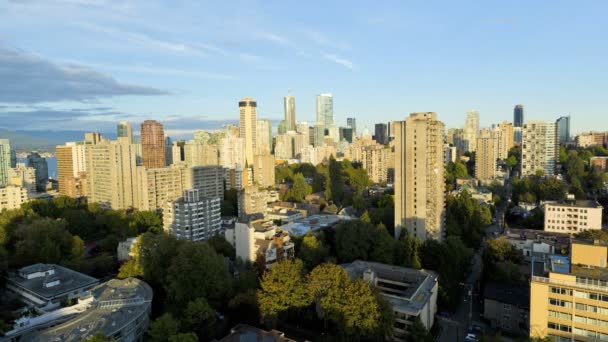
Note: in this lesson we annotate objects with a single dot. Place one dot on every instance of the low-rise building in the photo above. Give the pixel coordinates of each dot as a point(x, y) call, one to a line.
point(260, 239)
point(599, 162)
point(284, 215)
point(48, 286)
point(569, 301)
point(118, 309)
point(252, 200)
point(126, 249)
point(573, 216)
point(507, 307)
point(243, 332)
point(312, 223)
point(412, 293)
point(12, 196)
point(193, 216)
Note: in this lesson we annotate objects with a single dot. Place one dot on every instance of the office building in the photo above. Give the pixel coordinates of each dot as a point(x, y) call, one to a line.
point(470, 131)
point(247, 126)
point(263, 137)
point(200, 154)
point(572, 216)
point(252, 200)
point(12, 196)
point(346, 134)
point(506, 135)
point(193, 217)
point(93, 138)
point(563, 129)
point(263, 170)
point(153, 144)
point(71, 164)
point(5, 160)
point(111, 174)
point(232, 151)
point(119, 309)
point(381, 133)
point(411, 293)
point(486, 155)
point(517, 135)
point(419, 176)
point(449, 153)
point(156, 187)
point(169, 151)
point(124, 130)
point(289, 107)
point(569, 295)
point(539, 148)
point(24, 177)
point(507, 307)
point(352, 123)
point(209, 179)
point(260, 238)
point(319, 135)
point(518, 116)
point(325, 110)
point(39, 163)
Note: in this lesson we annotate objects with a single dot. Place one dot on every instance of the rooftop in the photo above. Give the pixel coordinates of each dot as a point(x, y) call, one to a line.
point(312, 223)
point(69, 280)
point(508, 293)
point(559, 264)
point(576, 204)
point(247, 333)
point(406, 288)
point(115, 303)
point(262, 225)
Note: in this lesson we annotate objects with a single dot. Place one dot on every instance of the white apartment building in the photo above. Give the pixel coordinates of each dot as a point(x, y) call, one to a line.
point(193, 217)
point(573, 216)
point(539, 148)
point(12, 196)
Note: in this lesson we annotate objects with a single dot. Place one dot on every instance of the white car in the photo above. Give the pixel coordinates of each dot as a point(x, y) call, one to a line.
point(470, 338)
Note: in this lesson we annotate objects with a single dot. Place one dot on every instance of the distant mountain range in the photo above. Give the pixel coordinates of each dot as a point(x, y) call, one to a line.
point(43, 140)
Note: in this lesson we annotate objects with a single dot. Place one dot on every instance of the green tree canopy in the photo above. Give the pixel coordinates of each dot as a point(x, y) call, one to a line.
point(283, 287)
point(299, 190)
point(312, 251)
point(163, 328)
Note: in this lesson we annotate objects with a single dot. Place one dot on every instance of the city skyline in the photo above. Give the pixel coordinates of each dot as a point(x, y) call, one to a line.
point(129, 66)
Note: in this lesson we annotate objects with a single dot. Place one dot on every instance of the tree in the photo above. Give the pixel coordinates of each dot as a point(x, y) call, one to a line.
point(418, 332)
point(199, 317)
point(99, 337)
point(360, 239)
point(222, 246)
point(154, 253)
point(197, 271)
point(335, 183)
point(283, 173)
point(511, 161)
point(147, 221)
point(163, 328)
point(300, 189)
point(77, 247)
point(184, 337)
point(312, 251)
point(130, 269)
point(360, 312)
point(43, 240)
point(328, 284)
point(283, 287)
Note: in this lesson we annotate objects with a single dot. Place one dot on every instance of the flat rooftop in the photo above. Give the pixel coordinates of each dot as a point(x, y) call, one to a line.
point(312, 223)
point(412, 289)
point(116, 303)
point(262, 225)
point(69, 280)
point(576, 204)
point(247, 333)
point(508, 293)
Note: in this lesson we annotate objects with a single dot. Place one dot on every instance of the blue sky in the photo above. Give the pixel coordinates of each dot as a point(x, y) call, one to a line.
point(85, 64)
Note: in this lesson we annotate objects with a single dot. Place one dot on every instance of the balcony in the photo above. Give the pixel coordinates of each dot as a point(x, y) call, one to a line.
point(569, 283)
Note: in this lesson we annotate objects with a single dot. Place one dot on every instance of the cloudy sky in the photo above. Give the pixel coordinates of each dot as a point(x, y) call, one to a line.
point(86, 64)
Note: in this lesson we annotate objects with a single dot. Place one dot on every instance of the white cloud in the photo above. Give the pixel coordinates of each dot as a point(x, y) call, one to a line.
point(273, 37)
point(339, 60)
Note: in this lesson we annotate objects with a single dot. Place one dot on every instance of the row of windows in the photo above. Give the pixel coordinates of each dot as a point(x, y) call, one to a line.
point(569, 209)
point(560, 315)
point(560, 327)
point(592, 308)
point(591, 321)
point(590, 333)
point(591, 295)
point(559, 302)
point(561, 290)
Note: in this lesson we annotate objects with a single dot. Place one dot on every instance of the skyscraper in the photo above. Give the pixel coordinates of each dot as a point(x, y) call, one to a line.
point(111, 174)
point(263, 137)
point(419, 172)
point(505, 139)
point(563, 129)
point(124, 130)
point(325, 110)
point(71, 164)
point(518, 116)
point(539, 148)
point(381, 133)
point(152, 144)
point(5, 160)
point(471, 129)
point(352, 123)
point(486, 155)
point(289, 106)
point(247, 126)
point(194, 216)
point(42, 170)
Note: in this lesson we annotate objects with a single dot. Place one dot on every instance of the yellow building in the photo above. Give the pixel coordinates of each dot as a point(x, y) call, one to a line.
point(569, 302)
point(486, 155)
point(247, 126)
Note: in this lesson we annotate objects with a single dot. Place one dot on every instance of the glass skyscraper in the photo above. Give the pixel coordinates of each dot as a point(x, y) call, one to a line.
point(563, 129)
point(325, 110)
point(518, 116)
